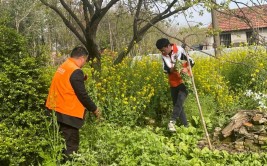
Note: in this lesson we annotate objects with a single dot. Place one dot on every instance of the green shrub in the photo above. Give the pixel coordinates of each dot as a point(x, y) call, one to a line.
point(12, 46)
point(236, 80)
point(21, 145)
point(23, 87)
point(245, 71)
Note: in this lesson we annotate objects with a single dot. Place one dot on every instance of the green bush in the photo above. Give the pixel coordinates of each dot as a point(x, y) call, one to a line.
point(245, 70)
point(12, 46)
point(236, 80)
point(23, 87)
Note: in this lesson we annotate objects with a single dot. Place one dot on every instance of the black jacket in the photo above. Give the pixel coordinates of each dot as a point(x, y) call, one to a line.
point(77, 83)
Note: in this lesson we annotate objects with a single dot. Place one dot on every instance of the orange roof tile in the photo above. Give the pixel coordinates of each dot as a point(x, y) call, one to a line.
point(257, 16)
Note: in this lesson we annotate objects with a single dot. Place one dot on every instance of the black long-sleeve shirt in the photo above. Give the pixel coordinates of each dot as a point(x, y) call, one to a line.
point(77, 83)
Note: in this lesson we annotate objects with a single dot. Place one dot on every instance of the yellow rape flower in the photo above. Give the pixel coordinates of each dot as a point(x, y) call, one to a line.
point(98, 84)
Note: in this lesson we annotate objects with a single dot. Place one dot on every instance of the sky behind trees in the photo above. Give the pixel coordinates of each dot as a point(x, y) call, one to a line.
point(205, 19)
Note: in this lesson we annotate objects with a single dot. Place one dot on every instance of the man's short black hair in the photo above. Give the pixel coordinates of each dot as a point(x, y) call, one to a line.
point(78, 52)
point(163, 42)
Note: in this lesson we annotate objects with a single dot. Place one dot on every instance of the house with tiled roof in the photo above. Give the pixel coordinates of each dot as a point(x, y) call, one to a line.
point(242, 25)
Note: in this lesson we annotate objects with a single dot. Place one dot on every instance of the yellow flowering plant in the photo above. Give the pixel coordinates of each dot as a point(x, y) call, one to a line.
point(130, 90)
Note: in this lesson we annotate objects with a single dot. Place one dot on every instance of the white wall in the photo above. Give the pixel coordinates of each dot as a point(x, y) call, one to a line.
point(209, 43)
point(263, 35)
point(237, 37)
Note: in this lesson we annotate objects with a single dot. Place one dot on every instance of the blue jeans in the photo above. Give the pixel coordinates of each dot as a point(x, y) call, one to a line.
point(179, 95)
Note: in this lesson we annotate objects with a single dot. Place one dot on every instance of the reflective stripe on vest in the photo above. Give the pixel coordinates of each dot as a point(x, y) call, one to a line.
point(61, 97)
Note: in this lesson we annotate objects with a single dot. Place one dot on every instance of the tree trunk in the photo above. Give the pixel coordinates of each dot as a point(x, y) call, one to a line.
point(110, 37)
point(216, 37)
point(85, 28)
point(122, 54)
point(134, 40)
point(93, 50)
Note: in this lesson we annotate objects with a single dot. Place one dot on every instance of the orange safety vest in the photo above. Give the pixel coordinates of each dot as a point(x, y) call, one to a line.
point(61, 97)
point(175, 78)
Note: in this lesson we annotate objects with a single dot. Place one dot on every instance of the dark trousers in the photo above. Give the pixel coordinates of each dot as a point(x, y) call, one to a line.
point(71, 137)
point(179, 95)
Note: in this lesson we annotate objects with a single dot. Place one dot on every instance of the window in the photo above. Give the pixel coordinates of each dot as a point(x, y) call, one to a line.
point(225, 39)
point(252, 37)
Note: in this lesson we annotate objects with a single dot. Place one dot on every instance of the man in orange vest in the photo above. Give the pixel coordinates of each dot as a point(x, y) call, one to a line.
point(172, 53)
point(69, 99)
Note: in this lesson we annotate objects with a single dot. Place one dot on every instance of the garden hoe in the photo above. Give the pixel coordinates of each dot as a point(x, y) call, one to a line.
point(198, 103)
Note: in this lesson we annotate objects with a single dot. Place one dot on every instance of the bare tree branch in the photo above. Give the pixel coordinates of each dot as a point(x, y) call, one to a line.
point(142, 30)
point(66, 21)
point(137, 14)
point(85, 13)
point(73, 15)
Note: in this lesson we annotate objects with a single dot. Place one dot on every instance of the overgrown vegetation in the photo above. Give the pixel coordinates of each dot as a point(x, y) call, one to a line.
point(24, 84)
point(135, 100)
